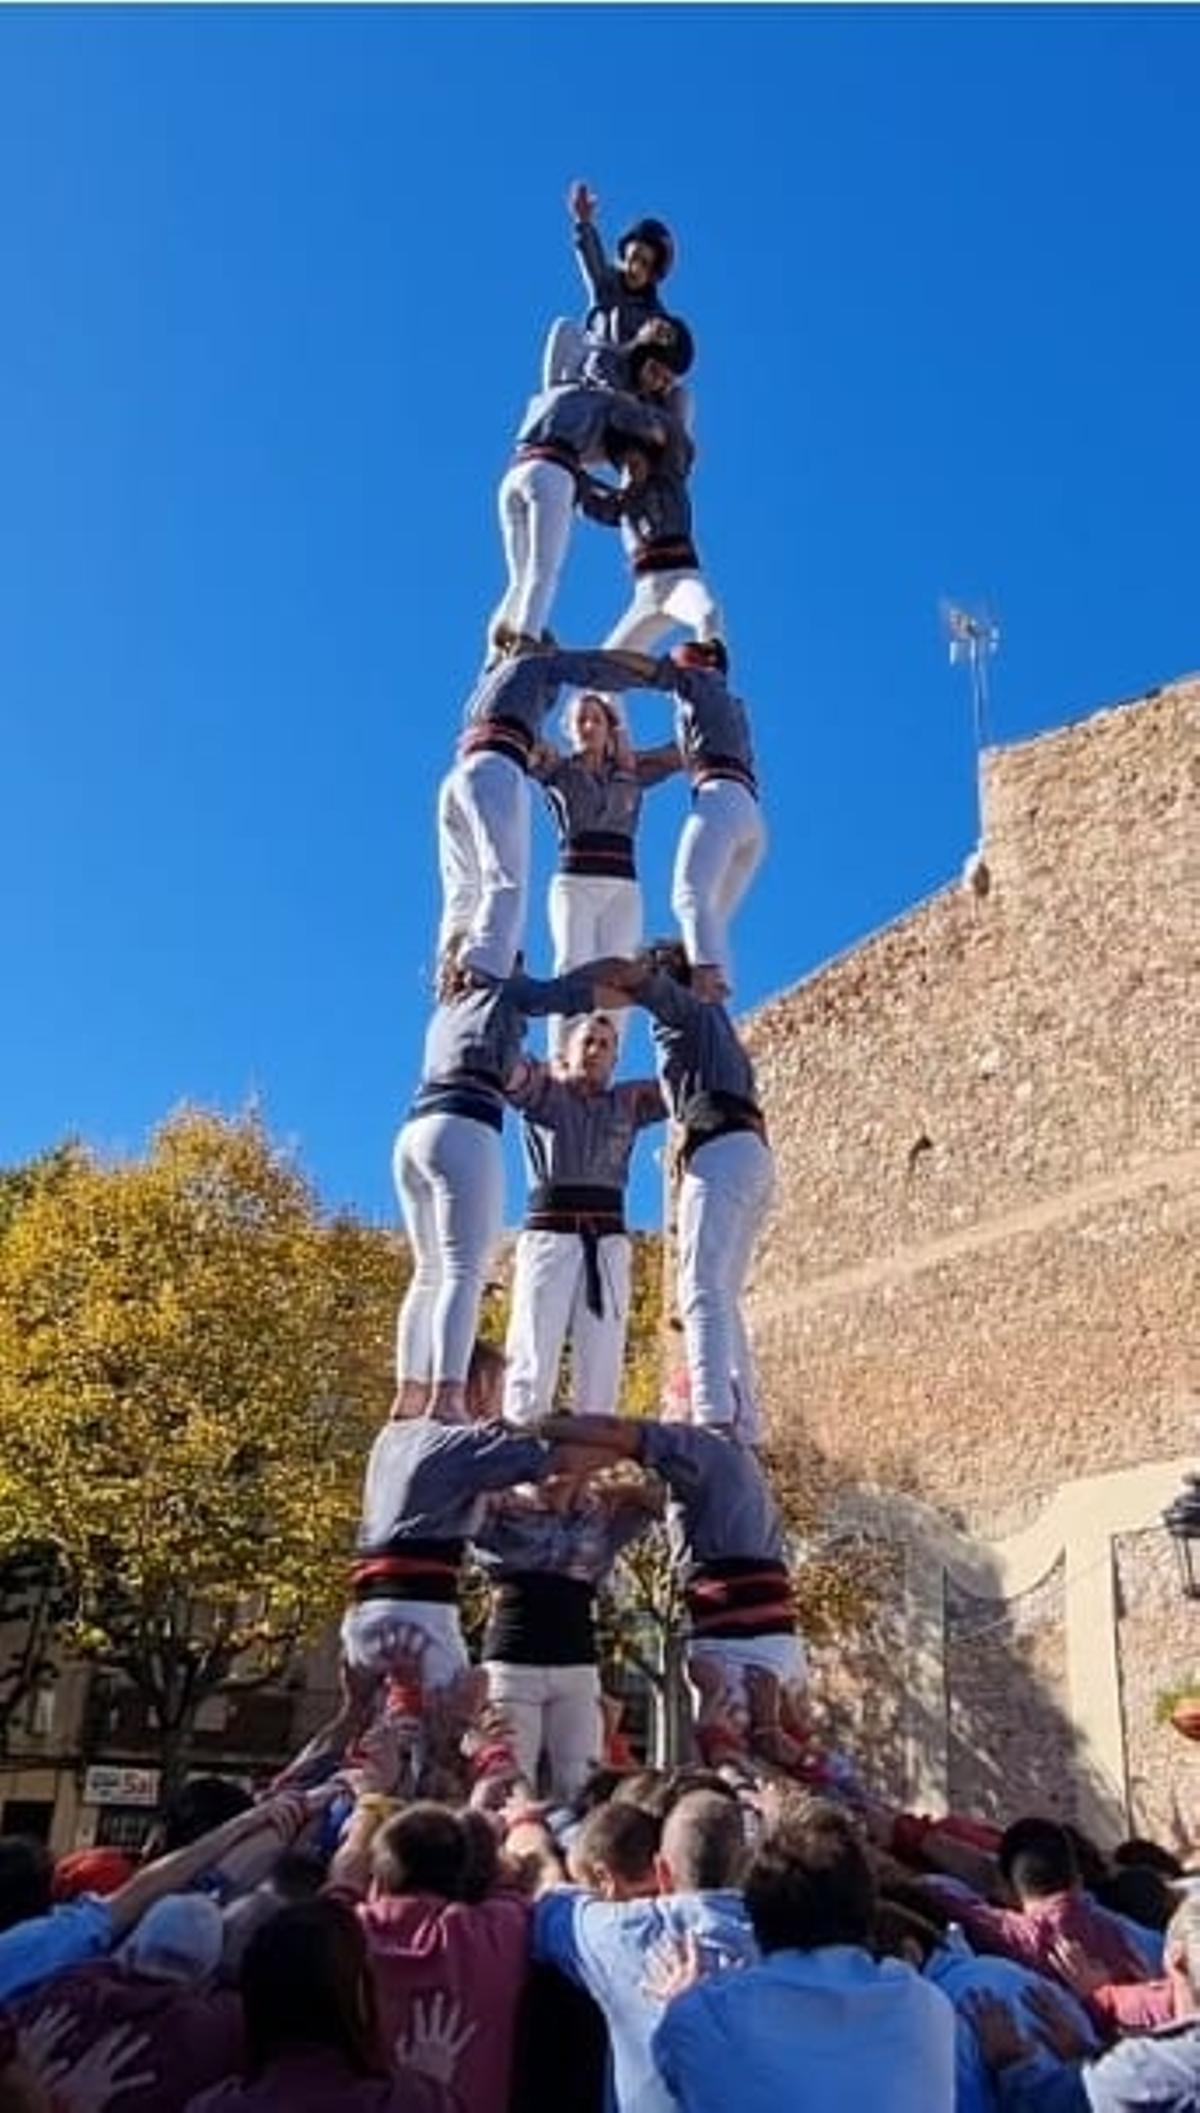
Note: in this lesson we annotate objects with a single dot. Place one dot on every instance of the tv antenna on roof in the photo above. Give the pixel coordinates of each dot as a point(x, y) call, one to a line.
point(973, 636)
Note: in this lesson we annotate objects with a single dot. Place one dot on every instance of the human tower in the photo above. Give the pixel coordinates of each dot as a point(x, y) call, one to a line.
point(532, 1493)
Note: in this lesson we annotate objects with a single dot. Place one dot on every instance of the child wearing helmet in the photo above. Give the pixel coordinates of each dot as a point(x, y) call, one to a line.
point(624, 307)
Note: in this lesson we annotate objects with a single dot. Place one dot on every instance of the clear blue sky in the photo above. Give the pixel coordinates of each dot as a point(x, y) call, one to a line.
point(274, 288)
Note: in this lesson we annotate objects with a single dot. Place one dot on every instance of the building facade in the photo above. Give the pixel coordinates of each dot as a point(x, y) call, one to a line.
point(978, 1301)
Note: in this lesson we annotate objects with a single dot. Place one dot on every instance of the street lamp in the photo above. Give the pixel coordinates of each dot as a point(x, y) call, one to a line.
point(1182, 1521)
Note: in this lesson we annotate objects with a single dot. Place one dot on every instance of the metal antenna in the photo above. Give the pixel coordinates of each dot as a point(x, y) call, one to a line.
point(973, 636)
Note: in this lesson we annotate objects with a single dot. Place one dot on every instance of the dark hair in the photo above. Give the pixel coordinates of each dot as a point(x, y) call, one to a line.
point(298, 1875)
point(1149, 1856)
point(423, 1849)
point(26, 1879)
point(897, 1929)
point(196, 1808)
point(682, 1781)
point(704, 1841)
point(1142, 1894)
point(1037, 1858)
point(598, 1787)
point(481, 1857)
point(646, 1787)
point(670, 956)
point(306, 1983)
point(1090, 1861)
point(624, 1838)
point(916, 1899)
point(810, 1884)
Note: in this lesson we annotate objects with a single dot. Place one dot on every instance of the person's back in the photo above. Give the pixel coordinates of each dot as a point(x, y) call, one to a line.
point(192, 2037)
point(818, 2025)
point(423, 1942)
point(606, 1946)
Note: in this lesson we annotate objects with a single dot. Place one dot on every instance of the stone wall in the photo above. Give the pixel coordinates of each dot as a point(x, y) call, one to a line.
point(982, 1279)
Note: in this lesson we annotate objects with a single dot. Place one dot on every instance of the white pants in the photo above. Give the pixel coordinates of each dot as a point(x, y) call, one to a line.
point(483, 855)
point(537, 502)
point(373, 1638)
point(549, 1302)
point(781, 1655)
point(449, 1172)
point(723, 1198)
point(591, 916)
point(721, 847)
point(555, 1710)
point(661, 601)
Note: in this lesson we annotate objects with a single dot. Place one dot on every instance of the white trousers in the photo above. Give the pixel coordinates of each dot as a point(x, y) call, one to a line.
point(783, 1656)
point(662, 601)
point(723, 1198)
point(373, 1638)
point(549, 1306)
point(449, 1173)
point(591, 916)
point(483, 856)
point(552, 1710)
point(537, 502)
point(721, 846)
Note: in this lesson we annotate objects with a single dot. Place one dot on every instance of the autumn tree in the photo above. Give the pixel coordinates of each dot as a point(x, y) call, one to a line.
point(193, 1358)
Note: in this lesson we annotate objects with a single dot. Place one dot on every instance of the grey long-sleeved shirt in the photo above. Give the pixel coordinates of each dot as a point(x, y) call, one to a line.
point(710, 721)
point(425, 1480)
point(582, 800)
point(695, 1045)
point(616, 313)
point(1150, 2072)
point(724, 1506)
point(584, 420)
point(525, 690)
point(586, 1139)
point(476, 1039)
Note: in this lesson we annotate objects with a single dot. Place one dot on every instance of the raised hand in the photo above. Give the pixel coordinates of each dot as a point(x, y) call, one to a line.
point(581, 203)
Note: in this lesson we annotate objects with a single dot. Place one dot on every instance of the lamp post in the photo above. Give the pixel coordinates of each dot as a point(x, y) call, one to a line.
point(1182, 1521)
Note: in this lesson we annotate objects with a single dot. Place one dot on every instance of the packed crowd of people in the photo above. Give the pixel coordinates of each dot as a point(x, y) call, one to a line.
point(461, 1893)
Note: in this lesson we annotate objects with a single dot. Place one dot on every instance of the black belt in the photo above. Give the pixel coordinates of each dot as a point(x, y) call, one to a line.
point(677, 556)
point(590, 1213)
point(556, 451)
point(480, 1104)
point(499, 737)
point(710, 1115)
point(606, 854)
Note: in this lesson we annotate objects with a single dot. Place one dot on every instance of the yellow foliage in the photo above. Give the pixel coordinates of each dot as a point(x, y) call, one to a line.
point(193, 1359)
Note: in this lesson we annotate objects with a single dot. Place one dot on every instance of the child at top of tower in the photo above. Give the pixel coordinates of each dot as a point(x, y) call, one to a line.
point(624, 304)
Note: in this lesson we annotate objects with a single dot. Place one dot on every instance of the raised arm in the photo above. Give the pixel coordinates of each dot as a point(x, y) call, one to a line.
point(599, 669)
point(599, 276)
point(654, 764)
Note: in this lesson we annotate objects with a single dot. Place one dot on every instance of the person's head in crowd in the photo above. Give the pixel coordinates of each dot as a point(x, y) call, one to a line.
point(485, 1383)
point(615, 1853)
point(297, 1875)
point(597, 1788)
point(1138, 1893)
point(592, 725)
point(306, 1984)
point(26, 1879)
point(1090, 1860)
point(1181, 1957)
point(916, 1899)
point(809, 1883)
point(645, 1787)
point(703, 1845)
point(682, 1781)
point(196, 1809)
point(1037, 1860)
point(422, 1849)
point(1147, 1856)
point(902, 1934)
point(99, 1871)
point(179, 1939)
point(481, 1857)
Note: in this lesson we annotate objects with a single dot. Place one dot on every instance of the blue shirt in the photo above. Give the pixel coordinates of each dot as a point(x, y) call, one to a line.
point(830, 2031)
point(33, 1951)
point(603, 1945)
point(962, 1974)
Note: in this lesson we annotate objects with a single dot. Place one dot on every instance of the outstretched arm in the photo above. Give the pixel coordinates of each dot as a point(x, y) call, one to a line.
point(599, 276)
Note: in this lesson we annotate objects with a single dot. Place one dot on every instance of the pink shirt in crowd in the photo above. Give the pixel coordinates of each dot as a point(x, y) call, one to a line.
point(192, 2039)
point(1030, 1934)
point(319, 2080)
point(478, 1956)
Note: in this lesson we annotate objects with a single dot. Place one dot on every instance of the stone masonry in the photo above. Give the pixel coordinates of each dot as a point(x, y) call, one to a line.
point(982, 1280)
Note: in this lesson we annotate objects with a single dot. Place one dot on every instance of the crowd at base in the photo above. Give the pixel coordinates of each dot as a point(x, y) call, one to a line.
point(698, 1939)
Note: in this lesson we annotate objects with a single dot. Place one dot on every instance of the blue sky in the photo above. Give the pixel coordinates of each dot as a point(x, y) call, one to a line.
point(275, 282)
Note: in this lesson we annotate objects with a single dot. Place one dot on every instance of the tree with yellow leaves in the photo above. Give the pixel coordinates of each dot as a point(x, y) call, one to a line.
point(193, 1360)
